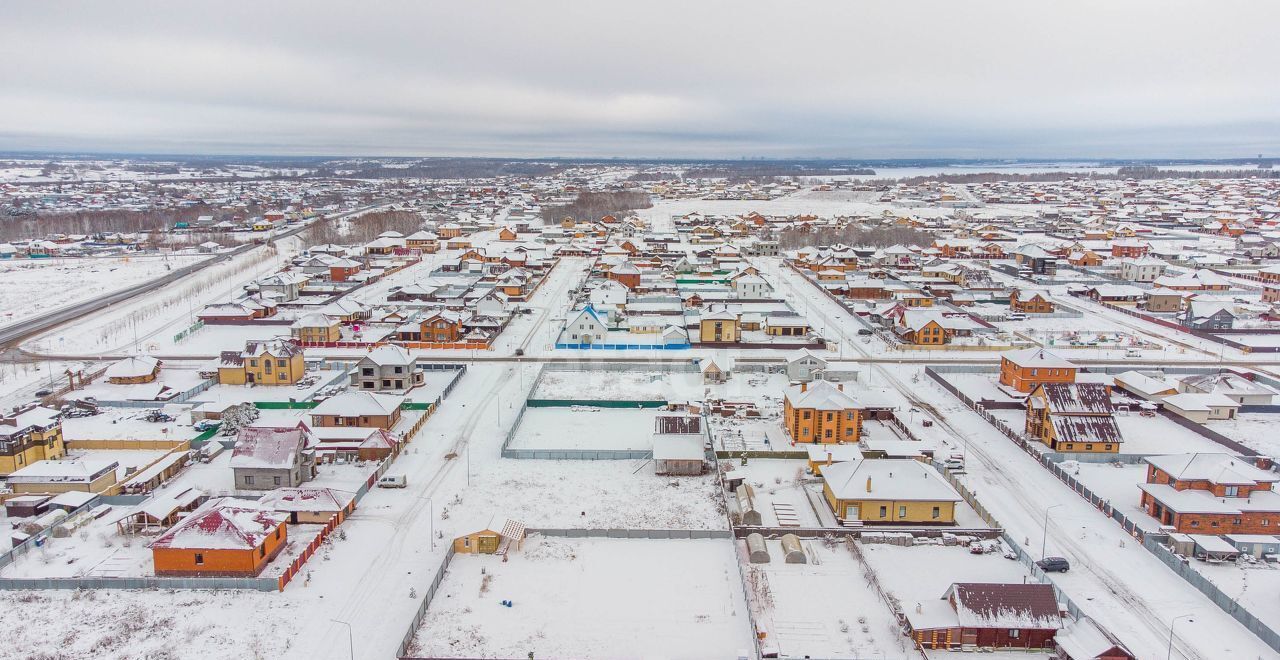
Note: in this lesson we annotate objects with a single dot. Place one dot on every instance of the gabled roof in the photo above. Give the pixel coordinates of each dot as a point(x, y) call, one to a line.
point(132, 367)
point(1024, 606)
point(890, 479)
point(270, 447)
point(820, 395)
point(358, 404)
point(1037, 357)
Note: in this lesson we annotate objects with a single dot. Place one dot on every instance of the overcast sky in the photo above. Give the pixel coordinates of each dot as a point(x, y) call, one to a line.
point(694, 78)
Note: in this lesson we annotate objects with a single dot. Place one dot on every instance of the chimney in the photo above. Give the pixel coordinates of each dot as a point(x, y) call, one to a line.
point(804, 387)
point(840, 386)
point(1263, 462)
point(868, 484)
point(829, 461)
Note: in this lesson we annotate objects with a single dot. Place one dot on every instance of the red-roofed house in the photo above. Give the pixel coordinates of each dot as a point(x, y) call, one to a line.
point(225, 536)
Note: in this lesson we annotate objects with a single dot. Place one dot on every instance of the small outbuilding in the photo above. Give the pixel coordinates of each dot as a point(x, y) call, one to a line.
point(492, 540)
point(757, 551)
point(746, 496)
point(678, 455)
point(792, 550)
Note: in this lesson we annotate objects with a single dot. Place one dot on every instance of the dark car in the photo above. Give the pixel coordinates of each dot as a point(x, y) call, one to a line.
point(1054, 565)
point(44, 392)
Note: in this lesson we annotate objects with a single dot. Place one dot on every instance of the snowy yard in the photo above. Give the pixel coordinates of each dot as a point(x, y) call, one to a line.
point(1256, 431)
point(611, 598)
point(618, 385)
point(1119, 485)
point(945, 565)
point(124, 424)
point(159, 625)
point(585, 428)
point(590, 494)
point(63, 281)
point(824, 608)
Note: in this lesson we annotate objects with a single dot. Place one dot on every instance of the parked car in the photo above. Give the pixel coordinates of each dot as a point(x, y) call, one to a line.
point(393, 481)
point(44, 392)
point(1054, 565)
point(204, 425)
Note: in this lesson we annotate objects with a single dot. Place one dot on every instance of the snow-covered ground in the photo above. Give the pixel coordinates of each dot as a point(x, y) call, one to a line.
point(585, 428)
point(1258, 431)
point(35, 286)
point(612, 598)
point(823, 608)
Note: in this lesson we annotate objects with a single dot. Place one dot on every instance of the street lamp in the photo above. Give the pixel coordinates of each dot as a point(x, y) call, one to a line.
point(1044, 538)
point(1169, 654)
point(351, 645)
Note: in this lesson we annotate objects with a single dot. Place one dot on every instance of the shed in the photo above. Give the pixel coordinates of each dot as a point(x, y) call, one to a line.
point(747, 505)
point(757, 551)
point(678, 454)
point(1214, 548)
point(26, 506)
point(71, 500)
point(1258, 545)
point(792, 551)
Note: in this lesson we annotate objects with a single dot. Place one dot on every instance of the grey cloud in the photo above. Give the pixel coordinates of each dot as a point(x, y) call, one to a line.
point(686, 79)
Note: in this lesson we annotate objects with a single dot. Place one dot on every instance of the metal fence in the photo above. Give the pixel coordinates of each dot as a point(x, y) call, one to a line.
point(403, 650)
point(254, 584)
point(662, 534)
point(1152, 541)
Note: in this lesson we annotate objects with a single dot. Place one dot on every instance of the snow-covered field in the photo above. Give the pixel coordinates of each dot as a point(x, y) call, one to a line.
point(618, 385)
point(590, 494)
point(585, 428)
point(1258, 431)
point(35, 286)
point(591, 598)
point(823, 608)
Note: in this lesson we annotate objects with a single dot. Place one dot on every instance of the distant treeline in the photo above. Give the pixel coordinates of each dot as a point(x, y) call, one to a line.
point(591, 206)
point(443, 168)
point(362, 228)
point(761, 170)
point(1150, 172)
point(793, 239)
point(41, 224)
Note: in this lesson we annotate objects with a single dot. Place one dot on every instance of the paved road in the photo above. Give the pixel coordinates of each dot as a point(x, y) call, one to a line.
point(16, 332)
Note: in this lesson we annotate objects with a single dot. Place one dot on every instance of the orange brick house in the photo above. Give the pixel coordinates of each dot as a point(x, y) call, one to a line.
point(1024, 369)
point(821, 412)
point(1212, 493)
point(1030, 302)
point(223, 537)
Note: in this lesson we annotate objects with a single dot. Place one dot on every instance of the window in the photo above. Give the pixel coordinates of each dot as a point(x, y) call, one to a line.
point(1013, 634)
point(804, 431)
point(253, 363)
point(1088, 447)
point(829, 417)
point(1195, 523)
point(262, 552)
point(367, 371)
point(275, 481)
point(884, 512)
point(807, 414)
point(937, 512)
point(1108, 447)
point(827, 433)
point(386, 382)
point(1231, 491)
point(199, 559)
point(848, 430)
point(902, 512)
point(248, 480)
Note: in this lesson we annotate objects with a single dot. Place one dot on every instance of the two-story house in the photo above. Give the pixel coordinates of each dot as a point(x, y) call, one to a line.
point(387, 368)
point(1212, 493)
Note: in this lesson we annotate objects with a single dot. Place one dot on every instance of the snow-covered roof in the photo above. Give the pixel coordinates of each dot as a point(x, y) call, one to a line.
point(820, 395)
point(222, 524)
point(1037, 357)
point(133, 367)
point(358, 404)
point(1214, 468)
point(270, 447)
point(887, 479)
point(306, 499)
point(1006, 606)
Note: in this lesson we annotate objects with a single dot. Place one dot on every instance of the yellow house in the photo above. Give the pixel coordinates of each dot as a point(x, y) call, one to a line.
point(821, 412)
point(487, 541)
point(268, 362)
point(61, 476)
point(888, 491)
point(28, 436)
point(719, 327)
point(316, 329)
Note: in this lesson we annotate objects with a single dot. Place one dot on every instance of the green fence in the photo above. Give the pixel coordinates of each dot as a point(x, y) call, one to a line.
point(565, 403)
point(285, 405)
